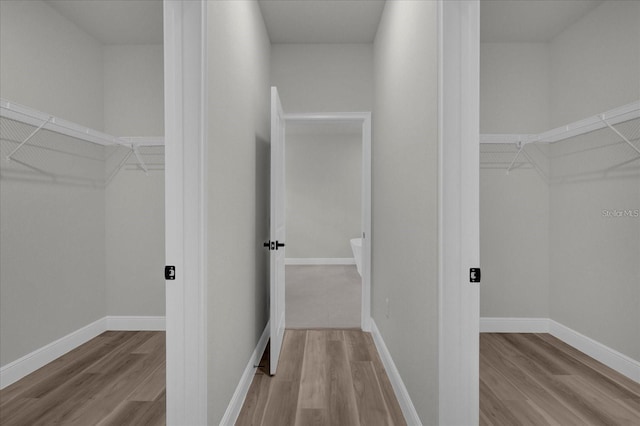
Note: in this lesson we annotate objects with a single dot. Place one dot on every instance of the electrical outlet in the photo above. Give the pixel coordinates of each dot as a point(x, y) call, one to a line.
point(387, 307)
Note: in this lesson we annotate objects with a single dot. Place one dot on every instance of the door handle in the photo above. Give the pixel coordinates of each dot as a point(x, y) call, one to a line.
point(272, 245)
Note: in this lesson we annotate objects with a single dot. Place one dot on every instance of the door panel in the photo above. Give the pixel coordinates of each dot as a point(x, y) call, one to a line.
point(277, 254)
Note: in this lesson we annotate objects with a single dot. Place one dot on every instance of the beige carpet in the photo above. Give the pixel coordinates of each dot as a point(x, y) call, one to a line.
point(323, 296)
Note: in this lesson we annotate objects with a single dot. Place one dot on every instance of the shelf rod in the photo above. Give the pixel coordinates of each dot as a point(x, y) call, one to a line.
point(619, 134)
point(27, 139)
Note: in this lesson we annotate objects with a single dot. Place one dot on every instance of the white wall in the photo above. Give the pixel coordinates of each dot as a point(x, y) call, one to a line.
point(134, 106)
point(52, 235)
point(514, 89)
point(514, 208)
point(323, 77)
point(595, 63)
point(514, 244)
point(405, 194)
point(594, 258)
point(50, 64)
point(324, 192)
point(238, 188)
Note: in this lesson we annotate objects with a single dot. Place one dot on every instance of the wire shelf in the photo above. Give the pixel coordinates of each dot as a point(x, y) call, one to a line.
point(36, 146)
point(604, 146)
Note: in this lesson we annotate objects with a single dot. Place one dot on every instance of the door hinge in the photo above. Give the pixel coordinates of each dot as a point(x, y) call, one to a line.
point(475, 275)
point(169, 272)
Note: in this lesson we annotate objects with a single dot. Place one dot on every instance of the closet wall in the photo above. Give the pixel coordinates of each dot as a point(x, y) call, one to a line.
point(514, 209)
point(595, 275)
point(134, 106)
point(59, 240)
point(52, 239)
point(546, 249)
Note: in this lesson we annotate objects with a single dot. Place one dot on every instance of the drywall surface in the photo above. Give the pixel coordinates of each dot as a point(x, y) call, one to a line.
point(323, 77)
point(238, 190)
point(50, 64)
point(514, 87)
point(324, 192)
point(135, 244)
point(52, 265)
point(133, 90)
point(133, 106)
point(405, 197)
point(595, 63)
point(594, 287)
point(514, 243)
point(595, 276)
point(514, 208)
point(52, 234)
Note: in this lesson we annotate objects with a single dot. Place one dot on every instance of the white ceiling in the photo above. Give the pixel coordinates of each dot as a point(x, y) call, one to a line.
point(115, 21)
point(539, 21)
point(324, 21)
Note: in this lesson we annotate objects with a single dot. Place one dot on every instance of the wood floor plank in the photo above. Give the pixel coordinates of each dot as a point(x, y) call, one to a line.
point(313, 391)
point(93, 382)
point(324, 377)
point(561, 385)
point(372, 409)
point(312, 417)
point(254, 405)
point(389, 395)
point(342, 398)
point(595, 365)
point(281, 407)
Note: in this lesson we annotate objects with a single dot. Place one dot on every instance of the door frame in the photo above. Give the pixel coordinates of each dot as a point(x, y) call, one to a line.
point(365, 119)
point(185, 77)
point(459, 112)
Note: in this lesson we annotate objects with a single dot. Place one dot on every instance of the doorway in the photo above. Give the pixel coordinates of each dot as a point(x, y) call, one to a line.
point(345, 121)
point(328, 247)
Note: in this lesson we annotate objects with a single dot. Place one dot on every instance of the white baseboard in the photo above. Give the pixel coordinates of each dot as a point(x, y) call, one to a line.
point(29, 363)
point(596, 350)
point(408, 410)
point(514, 325)
point(319, 261)
point(240, 394)
point(130, 323)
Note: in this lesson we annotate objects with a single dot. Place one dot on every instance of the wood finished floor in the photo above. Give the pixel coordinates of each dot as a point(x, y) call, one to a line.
point(325, 377)
point(535, 379)
point(117, 378)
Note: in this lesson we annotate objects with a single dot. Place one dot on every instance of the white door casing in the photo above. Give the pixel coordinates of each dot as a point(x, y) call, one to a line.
point(364, 119)
point(459, 316)
point(185, 210)
point(278, 232)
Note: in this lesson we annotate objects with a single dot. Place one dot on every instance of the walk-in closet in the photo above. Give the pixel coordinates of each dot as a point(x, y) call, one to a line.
point(560, 176)
point(81, 175)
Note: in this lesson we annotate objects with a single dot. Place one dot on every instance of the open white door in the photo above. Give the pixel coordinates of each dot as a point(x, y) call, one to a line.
point(276, 245)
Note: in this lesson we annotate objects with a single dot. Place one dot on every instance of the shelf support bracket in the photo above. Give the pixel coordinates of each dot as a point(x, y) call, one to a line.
point(140, 162)
point(520, 145)
point(619, 134)
point(8, 158)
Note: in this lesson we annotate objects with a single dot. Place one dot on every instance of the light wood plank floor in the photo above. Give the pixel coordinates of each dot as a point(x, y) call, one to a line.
point(535, 379)
point(118, 378)
point(325, 377)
